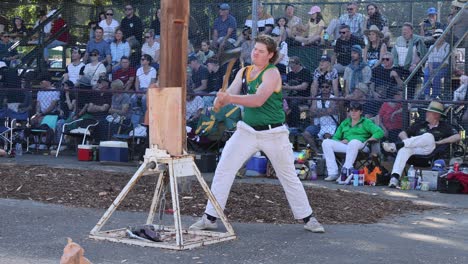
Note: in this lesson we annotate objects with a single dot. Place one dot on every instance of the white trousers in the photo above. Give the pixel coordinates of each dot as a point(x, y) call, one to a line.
point(275, 144)
point(418, 145)
point(330, 146)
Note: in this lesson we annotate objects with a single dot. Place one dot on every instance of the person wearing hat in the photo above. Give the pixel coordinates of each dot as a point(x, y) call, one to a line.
point(429, 25)
point(357, 71)
point(438, 58)
point(343, 47)
point(224, 28)
point(350, 136)
point(314, 28)
point(94, 69)
point(422, 138)
point(75, 68)
point(47, 99)
point(375, 46)
point(324, 73)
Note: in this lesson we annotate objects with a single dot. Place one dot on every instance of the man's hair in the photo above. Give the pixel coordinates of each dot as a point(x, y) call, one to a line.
point(288, 5)
point(408, 24)
point(124, 58)
point(98, 27)
point(343, 26)
point(270, 44)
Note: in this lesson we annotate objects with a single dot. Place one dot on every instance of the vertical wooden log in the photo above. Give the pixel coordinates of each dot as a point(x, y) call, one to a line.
point(172, 75)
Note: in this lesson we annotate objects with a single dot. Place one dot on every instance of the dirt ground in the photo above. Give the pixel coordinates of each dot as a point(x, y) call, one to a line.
point(247, 202)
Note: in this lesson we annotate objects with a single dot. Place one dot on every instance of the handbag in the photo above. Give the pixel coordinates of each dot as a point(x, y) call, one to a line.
point(375, 174)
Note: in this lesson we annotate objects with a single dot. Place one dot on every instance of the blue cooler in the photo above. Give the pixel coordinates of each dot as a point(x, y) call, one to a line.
point(116, 151)
point(256, 166)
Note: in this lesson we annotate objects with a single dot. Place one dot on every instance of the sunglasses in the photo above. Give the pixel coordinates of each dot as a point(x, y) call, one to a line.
point(350, 9)
point(386, 59)
point(94, 54)
point(343, 32)
point(143, 59)
point(325, 86)
point(108, 14)
point(147, 37)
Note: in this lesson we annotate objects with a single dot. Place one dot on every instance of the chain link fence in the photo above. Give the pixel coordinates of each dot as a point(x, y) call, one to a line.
point(309, 66)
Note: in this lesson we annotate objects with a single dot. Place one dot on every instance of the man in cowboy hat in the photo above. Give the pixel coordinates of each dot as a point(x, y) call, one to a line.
point(421, 138)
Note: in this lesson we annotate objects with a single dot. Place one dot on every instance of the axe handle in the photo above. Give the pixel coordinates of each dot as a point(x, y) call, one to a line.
point(228, 74)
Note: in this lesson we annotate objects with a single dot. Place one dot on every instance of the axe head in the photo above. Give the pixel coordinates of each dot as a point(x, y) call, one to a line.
point(228, 55)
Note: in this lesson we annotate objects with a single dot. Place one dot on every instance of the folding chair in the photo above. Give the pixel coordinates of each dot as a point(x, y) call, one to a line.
point(77, 128)
point(48, 123)
point(371, 150)
point(11, 128)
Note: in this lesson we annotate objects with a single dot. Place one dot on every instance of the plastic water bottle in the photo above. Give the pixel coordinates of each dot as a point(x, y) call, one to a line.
point(418, 179)
point(326, 37)
point(411, 177)
point(19, 149)
point(355, 178)
point(361, 177)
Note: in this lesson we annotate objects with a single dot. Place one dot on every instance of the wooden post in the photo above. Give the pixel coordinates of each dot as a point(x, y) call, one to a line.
point(172, 75)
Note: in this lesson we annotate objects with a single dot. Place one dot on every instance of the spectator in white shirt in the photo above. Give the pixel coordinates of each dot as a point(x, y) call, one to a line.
point(109, 25)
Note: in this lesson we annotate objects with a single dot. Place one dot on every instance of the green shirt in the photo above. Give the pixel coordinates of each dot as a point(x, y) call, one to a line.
point(362, 131)
point(271, 112)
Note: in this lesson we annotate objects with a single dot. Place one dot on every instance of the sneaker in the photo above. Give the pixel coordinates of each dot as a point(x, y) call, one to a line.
point(389, 147)
point(332, 177)
point(33, 146)
point(42, 147)
point(394, 182)
point(314, 226)
point(204, 224)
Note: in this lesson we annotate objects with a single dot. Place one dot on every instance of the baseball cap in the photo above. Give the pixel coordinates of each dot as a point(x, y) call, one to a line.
point(325, 58)
point(355, 106)
point(432, 11)
point(224, 6)
point(314, 9)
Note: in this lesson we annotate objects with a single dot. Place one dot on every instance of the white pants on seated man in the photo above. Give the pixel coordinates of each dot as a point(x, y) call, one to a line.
point(330, 146)
point(418, 145)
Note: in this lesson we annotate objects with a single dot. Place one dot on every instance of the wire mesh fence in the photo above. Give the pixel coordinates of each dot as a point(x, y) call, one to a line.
point(321, 76)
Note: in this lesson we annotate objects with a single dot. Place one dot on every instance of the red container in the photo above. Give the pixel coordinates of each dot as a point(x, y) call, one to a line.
point(85, 152)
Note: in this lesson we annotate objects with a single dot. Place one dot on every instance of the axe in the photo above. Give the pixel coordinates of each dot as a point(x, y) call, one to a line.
point(229, 57)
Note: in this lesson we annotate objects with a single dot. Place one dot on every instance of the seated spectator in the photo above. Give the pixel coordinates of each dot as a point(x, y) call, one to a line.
point(265, 22)
point(119, 111)
point(126, 73)
point(68, 104)
point(439, 57)
point(282, 61)
point(204, 53)
point(102, 47)
point(224, 28)
point(156, 25)
point(132, 27)
point(214, 82)
point(152, 48)
point(298, 82)
point(386, 75)
point(429, 25)
point(421, 138)
point(292, 19)
point(145, 76)
point(343, 48)
point(323, 113)
point(19, 30)
point(247, 47)
point(7, 56)
point(324, 73)
point(119, 48)
point(360, 94)
point(194, 106)
point(18, 101)
point(375, 47)
point(281, 28)
point(350, 137)
point(374, 101)
point(356, 22)
point(109, 26)
point(314, 29)
point(59, 40)
point(376, 18)
point(407, 52)
point(390, 115)
point(199, 74)
point(94, 69)
point(75, 69)
point(357, 71)
point(47, 100)
point(101, 100)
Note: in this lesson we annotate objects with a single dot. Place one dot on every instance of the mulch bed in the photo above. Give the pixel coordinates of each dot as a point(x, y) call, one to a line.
point(247, 202)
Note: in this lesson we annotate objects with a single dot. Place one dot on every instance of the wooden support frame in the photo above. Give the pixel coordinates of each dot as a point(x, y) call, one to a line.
point(177, 237)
